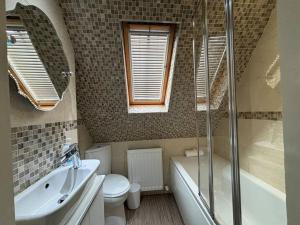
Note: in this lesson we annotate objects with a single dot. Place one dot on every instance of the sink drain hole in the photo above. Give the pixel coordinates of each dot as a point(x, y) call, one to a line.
point(62, 199)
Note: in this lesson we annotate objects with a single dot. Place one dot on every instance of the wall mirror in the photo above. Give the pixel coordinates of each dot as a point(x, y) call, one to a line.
point(36, 59)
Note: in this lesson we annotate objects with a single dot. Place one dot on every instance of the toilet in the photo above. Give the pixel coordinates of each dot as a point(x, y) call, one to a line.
point(115, 186)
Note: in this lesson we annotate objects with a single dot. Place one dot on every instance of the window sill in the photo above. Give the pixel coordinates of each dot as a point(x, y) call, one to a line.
point(202, 107)
point(148, 109)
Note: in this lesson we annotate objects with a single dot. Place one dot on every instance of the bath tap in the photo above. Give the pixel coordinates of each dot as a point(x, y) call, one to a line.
point(72, 153)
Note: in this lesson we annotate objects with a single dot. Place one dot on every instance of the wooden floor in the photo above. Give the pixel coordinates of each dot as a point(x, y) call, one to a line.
point(155, 210)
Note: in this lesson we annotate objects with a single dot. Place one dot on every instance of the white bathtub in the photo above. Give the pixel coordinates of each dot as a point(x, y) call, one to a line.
point(261, 203)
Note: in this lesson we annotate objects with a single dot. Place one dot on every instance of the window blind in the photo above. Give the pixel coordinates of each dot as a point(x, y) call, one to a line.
point(216, 52)
point(148, 52)
point(26, 64)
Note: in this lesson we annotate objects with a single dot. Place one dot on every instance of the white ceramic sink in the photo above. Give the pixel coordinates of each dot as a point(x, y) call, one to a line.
point(53, 191)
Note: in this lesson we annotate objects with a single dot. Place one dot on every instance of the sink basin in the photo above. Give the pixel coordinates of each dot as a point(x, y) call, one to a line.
point(54, 191)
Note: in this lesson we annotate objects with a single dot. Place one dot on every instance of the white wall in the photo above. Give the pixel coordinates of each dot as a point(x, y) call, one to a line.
point(6, 183)
point(171, 147)
point(289, 47)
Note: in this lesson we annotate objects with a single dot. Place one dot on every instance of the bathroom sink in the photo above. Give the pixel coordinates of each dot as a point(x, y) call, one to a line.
point(54, 191)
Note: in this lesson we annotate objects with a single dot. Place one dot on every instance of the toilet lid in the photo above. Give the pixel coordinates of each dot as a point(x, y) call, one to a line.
point(115, 185)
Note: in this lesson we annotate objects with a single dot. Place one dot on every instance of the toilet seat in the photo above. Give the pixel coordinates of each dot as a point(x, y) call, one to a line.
point(115, 185)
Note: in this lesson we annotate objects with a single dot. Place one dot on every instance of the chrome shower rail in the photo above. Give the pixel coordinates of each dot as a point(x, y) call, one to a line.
point(208, 117)
point(195, 94)
point(235, 168)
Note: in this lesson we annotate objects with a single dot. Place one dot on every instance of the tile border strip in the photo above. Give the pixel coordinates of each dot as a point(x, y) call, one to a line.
point(270, 115)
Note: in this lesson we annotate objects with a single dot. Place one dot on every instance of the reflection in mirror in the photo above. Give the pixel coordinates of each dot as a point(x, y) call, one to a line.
point(36, 58)
point(211, 86)
point(216, 58)
point(201, 119)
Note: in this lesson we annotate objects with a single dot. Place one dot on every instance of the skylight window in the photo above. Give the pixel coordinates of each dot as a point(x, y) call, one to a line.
point(26, 68)
point(216, 52)
point(148, 52)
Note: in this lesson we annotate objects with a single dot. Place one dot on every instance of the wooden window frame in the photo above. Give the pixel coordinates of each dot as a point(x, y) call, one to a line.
point(23, 89)
point(201, 100)
point(126, 26)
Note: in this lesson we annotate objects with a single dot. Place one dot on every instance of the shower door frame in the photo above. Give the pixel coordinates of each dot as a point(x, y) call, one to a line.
point(232, 111)
point(233, 122)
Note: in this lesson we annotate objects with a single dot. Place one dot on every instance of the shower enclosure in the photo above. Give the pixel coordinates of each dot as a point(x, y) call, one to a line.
point(238, 100)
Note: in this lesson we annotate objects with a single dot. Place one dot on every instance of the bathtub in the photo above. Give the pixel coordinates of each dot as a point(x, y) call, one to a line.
point(261, 203)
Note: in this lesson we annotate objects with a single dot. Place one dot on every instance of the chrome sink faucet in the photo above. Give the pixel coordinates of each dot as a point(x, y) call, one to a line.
point(71, 154)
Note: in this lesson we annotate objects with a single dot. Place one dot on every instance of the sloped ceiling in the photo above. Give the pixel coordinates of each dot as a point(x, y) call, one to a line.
point(250, 17)
point(94, 28)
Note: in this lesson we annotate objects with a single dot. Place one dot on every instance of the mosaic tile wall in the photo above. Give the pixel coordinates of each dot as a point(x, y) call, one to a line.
point(36, 151)
point(260, 115)
point(94, 28)
point(251, 17)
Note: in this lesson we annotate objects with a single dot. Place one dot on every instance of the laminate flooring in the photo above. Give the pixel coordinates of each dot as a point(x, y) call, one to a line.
point(155, 210)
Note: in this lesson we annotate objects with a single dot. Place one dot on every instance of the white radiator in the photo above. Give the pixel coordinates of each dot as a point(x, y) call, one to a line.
point(145, 167)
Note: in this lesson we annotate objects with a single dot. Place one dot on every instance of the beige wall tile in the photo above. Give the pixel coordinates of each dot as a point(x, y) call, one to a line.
point(260, 141)
point(260, 147)
point(253, 93)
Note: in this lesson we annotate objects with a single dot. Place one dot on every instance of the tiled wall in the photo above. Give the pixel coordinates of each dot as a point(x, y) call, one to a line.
point(36, 151)
point(260, 147)
point(94, 28)
point(259, 115)
point(260, 126)
point(251, 18)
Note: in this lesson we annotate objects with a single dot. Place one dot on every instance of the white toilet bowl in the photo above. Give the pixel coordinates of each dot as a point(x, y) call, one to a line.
point(115, 186)
point(114, 202)
point(115, 190)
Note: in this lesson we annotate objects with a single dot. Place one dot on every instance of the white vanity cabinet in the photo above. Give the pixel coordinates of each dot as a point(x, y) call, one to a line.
point(95, 214)
point(90, 208)
point(86, 220)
